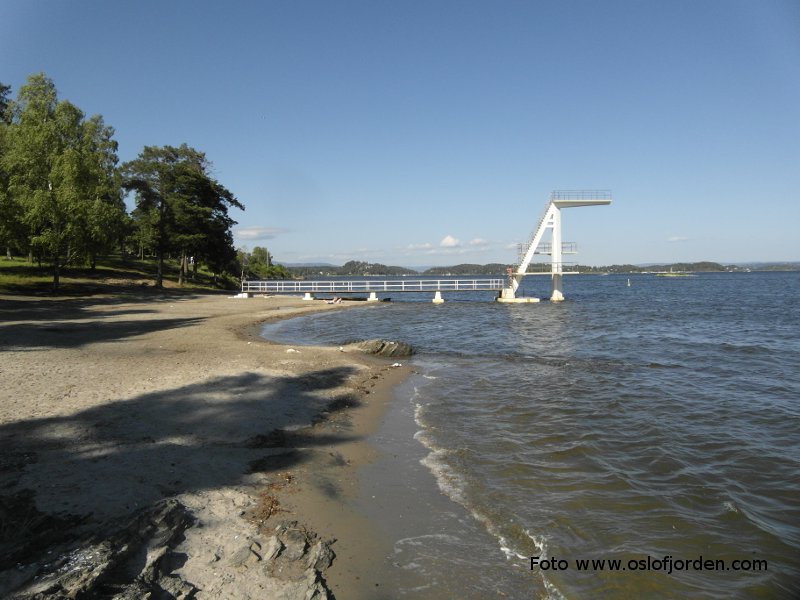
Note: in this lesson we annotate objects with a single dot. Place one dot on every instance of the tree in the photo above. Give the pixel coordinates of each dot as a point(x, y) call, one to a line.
point(258, 265)
point(37, 141)
point(63, 194)
point(5, 90)
point(261, 256)
point(184, 208)
point(9, 213)
point(103, 216)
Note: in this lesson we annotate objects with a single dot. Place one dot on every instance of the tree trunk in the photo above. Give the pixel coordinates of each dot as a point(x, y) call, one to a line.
point(93, 261)
point(56, 273)
point(160, 274)
point(8, 252)
point(182, 270)
point(194, 269)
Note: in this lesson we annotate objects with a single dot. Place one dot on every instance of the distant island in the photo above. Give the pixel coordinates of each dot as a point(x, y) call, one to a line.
point(356, 268)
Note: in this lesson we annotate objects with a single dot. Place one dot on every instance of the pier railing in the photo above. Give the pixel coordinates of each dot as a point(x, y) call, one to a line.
point(371, 286)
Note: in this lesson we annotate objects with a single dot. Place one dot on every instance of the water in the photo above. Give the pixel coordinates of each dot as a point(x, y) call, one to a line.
point(656, 420)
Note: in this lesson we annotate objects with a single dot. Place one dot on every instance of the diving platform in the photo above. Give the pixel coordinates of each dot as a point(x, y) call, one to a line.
point(555, 248)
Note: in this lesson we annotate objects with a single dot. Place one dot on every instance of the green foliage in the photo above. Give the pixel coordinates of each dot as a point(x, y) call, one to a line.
point(180, 208)
point(5, 90)
point(258, 265)
point(59, 198)
point(61, 191)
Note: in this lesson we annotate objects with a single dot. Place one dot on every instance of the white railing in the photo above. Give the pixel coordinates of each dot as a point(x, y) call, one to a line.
point(365, 286)
point(562, 195)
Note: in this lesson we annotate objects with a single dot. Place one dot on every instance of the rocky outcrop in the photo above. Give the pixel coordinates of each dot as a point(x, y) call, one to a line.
point(135, 562)
point(383, 348)
point(141, 561)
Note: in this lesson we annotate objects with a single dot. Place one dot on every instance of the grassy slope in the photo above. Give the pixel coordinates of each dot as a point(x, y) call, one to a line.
point(112, 275)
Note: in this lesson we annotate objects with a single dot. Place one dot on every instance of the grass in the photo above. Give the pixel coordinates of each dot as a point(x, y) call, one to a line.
point(111, 275)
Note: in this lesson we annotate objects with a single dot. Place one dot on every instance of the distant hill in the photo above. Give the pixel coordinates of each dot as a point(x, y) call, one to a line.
point(311, 264)
point(355, 268)
point(497, 269)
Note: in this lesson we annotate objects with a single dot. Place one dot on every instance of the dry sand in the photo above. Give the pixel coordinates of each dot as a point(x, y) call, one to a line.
point(109, 405)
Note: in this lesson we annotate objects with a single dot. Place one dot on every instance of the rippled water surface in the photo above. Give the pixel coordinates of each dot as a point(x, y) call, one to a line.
point(657, 419)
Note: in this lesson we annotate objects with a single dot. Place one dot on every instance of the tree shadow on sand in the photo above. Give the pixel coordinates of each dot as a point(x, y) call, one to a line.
point(26, 325)
point(80, 472)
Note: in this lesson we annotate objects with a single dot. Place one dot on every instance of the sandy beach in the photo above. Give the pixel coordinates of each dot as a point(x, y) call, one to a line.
point(119, 413)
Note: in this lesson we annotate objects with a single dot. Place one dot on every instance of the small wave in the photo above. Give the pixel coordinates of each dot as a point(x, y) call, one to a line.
point(655, 365)
point(743, 348)
point(539, 542)
point(541, 547)
point(418, 409)
point(450, 483)
point(419, 540)
point(510, 554)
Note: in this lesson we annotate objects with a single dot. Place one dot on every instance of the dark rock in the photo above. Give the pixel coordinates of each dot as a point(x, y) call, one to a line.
point(134, 562)
point(386, 348)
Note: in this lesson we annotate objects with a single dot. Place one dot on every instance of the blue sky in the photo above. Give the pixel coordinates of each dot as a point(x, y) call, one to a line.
point(432, 132)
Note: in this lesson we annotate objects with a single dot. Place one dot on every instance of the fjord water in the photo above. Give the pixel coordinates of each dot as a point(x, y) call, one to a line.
point(659, 419)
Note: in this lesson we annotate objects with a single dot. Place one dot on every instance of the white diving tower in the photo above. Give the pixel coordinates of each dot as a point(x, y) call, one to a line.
point(556, 248)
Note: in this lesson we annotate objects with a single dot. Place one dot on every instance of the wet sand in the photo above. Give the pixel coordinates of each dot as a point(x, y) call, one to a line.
point(111, 404)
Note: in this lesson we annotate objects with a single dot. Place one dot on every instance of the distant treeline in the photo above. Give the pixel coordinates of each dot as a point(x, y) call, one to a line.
point(362, 269)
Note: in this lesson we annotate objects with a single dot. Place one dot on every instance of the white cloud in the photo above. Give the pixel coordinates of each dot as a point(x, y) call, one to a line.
point(425, 246)
point(677, 238)
point(258, 233)
point(449, 242)
point(478, 242)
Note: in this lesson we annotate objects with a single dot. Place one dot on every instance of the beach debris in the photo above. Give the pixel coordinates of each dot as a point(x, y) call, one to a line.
point(292, 351)
point(397, 364)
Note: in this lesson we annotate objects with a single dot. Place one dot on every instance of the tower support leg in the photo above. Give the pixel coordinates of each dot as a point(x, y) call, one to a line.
point(557, 295)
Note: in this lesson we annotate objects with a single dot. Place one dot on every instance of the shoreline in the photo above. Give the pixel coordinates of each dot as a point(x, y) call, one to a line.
point(114, 404)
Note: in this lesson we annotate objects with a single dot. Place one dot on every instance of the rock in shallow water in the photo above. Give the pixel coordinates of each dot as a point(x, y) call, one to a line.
point(383, 347)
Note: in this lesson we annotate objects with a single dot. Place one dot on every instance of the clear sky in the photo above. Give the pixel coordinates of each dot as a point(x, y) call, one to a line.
point(431, 132)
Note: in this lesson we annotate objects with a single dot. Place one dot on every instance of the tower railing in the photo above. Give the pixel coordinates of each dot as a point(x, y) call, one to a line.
point(566, 195)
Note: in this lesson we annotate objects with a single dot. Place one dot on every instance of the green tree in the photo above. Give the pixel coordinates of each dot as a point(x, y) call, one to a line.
point(184, 208)
point(103, 215)
point(62, 188)
point(38, 169)
point(5, 90)
point(258, 265)
point(261, 256)
point(9, 213)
